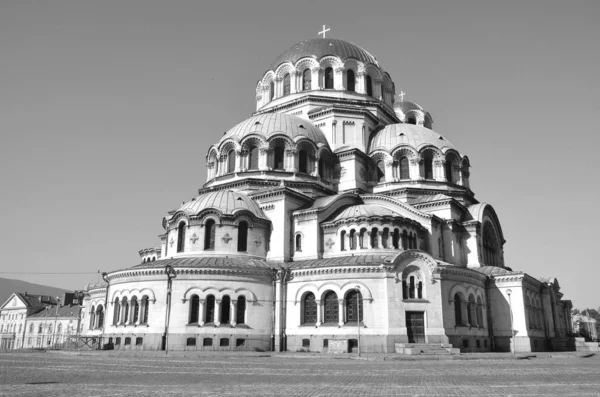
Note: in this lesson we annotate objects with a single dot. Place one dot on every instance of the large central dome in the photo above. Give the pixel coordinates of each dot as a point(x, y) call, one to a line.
point(319, 47)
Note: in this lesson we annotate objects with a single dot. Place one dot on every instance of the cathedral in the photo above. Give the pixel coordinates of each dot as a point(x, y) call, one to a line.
point(335, 218)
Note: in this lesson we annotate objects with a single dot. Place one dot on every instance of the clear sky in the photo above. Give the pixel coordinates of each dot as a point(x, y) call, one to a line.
point(107, 109)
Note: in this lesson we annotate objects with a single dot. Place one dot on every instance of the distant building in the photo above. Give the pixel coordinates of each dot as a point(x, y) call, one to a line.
point(585, 326)
point(26, 319)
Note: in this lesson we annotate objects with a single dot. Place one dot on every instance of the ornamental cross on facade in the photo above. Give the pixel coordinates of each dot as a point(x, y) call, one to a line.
point(171, 242)
point(325, 30)
point(194, 238)
point(227, 238)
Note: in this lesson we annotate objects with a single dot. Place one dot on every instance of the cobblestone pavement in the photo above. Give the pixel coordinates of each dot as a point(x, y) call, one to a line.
point(40, 374)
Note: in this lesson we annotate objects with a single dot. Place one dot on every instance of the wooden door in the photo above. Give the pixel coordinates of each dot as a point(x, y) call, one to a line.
point(415, 326)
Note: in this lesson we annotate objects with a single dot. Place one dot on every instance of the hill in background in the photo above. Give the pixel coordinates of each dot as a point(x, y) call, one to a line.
point(9, 286)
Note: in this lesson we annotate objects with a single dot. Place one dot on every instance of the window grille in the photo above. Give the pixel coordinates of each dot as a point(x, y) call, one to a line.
point(309, 310)
point(350, 80)
point(207, 342)
point(354, 309)
point(331, 309)
point(239, 342)
point(224, 342)
point(241, 310)
point(191, 342)
point(329, 78)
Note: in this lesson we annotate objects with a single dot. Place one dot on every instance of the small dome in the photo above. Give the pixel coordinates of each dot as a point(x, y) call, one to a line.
point(415, 136)
point(319, 47)
point(364, 211)
point(270, 124)
point(226, 201)
point(406, 106)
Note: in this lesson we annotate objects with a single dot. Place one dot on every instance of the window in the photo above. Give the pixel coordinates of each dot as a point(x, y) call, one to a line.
point(194, 308)
point(381, 171)
point(224, 342)
point(354, 306)
point(127, 341)
point(298, 243)
point(135, 307)
point(100, 316)
point(125, 310)
point(331, 308)
point(139, 341)
point(411, 287)
point(118, 341)
point(116, 310)
point(181, 237)
point(240, 342)
point(306, 80)
point(448, 168)
point(404, 240)
point(396, 238)
point(457, 310)
point(209, 235)
point(271, 90)
point(241, 310)
point(309, 309)
point(478, 343)
point(191, 342)
point(343, 240)
point(242, 244)
point(303, 161)
point(286, 84)
point(207, 342)
point(145, 307)
point(428, 165)
point(253, 158)
point(479, 312)
point(329, 78)
point(40, 329)
point(374, 239)
point(92, 317)
point(226, 310)
point(404, 170)
point(306, 343)
point(465, 343)
point(352, 239)
point(210, 309)
point(369, 84)
point(278, 154)
point(350, 80)
point(471, 311)
point(231, 161)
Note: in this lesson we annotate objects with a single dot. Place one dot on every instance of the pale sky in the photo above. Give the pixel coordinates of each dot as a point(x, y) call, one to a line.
point(107, 109)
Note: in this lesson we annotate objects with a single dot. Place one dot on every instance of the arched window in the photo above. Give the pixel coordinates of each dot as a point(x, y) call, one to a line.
point(411, 287)
point(116, 310)
point(271, 90)
point(309, 309)
point(125, 310)
point(92, 317)
point(471, 310)
point(253, 158)
point(303, 161)
point(362, 239)
point(194, 308)
point(286, 84)
point(381, 171)
point(298, 243)
point(331, 308)
point(242, 245)
point(385, 238)
point(428, 165)
point(145, 307)
point(396, 238)
point(278, 154)
point(411, 119)
point(329, 78)
point(369, 86)
point(352, 239)
point(226, 310)
point(58, 328)
point(181, 236)
point(241, 310)
point(374, 239)
point(40, 329)
point(210, 309)
point(135, 307)
point(231, 161)
point(209, 235)
point(490, 245)
point(479, 312)
point(420, 290)
point(306, 80)
point(404, 168)
point(354, 308)
point(31, 328)
point(457, 310)
point(404, 240)
point(100, 316)
point(343, 240)
point(350, 80)
point(448, 168)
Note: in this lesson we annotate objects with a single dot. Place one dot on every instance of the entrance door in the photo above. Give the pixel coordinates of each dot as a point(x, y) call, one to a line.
point(415, 326)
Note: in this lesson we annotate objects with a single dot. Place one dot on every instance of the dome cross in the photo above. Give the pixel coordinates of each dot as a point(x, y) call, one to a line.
point(401, 95)
point(325, 30)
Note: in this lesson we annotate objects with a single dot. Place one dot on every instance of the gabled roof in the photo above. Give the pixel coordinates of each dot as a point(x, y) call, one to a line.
point(32, 302)
point(63, 312)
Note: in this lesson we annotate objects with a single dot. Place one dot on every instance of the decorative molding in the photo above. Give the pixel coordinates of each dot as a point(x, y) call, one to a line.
point(330, 243)
point(226, 238)
point(194, 238)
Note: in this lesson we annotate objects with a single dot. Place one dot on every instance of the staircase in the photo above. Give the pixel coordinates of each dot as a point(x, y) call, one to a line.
point(426, 349)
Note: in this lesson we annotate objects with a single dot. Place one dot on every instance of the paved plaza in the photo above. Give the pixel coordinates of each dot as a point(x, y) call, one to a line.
point(46, 374)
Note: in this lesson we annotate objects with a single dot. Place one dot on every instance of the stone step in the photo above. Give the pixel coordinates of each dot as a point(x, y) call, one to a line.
point(437, 349)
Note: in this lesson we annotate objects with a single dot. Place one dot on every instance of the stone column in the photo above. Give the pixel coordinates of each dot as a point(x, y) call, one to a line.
point(233, 313)
point(341, 312)
point(278, 87)
point(201, 315)
point(415, 169)
point(290, 158)
point(378, 89)
point(369, 245)
point(315, 78)
point(217, 313)
point(389, 171)
point(263, 159)
point(293, 82)
point(240, 156)
point(319, 308)
point(338, 79)
point(438, 170)
point(360, 82)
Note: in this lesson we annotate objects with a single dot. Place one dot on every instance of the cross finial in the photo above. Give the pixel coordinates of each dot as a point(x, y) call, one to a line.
point(401, 95)
point(325, 30)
